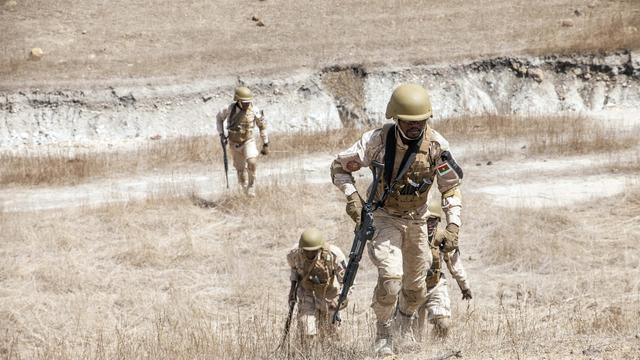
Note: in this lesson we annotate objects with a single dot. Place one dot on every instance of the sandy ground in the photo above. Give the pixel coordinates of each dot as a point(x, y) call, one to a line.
point(96, 42)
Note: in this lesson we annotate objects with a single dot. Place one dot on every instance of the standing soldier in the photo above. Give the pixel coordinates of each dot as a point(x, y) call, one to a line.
point(413, 155)
point(317, 272)
point(242, 117)
point(437, 308)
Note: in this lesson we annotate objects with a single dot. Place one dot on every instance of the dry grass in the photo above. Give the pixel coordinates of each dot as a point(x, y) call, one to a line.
point(500, 135)
point(494, 137)
point(58, 168)
point(188, 279)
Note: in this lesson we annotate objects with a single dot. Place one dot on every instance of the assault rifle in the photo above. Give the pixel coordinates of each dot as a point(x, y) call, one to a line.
point(292, 304)
point(223, 142)
point(363, 233)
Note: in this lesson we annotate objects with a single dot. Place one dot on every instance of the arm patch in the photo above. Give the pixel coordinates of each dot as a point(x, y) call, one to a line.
point(449, 163)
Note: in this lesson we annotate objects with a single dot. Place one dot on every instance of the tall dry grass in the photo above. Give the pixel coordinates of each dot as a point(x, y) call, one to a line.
point(184, 278)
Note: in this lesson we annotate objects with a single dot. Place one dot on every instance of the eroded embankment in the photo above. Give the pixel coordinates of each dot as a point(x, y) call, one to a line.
point(605, 86)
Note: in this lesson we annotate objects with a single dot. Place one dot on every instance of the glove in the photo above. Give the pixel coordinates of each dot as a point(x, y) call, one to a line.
point(447, 237)
point(265, 149)
point(292, 294)
point(224, 140)
point(466, 294)
point(354, 206)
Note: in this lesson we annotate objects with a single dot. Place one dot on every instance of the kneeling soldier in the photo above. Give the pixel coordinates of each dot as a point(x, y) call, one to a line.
point(317, 271)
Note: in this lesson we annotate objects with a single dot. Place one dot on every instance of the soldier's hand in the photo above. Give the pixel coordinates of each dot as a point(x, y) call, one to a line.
point(447, 237)
point(354, 206)
point(466, 294)
point(224, 140)
point(265, 149)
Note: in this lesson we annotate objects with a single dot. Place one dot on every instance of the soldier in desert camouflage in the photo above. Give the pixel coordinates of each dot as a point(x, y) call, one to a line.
point(241, 118)
point(437, 307)
point(317, 272)
point(413, 155)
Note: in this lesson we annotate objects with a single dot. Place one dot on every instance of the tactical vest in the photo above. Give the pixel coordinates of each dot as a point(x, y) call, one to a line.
point(319, 272)
point(240, 124)
point(411, 190)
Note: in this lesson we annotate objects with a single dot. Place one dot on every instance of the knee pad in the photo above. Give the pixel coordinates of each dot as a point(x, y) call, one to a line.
point(251, 164)
point(387, 291)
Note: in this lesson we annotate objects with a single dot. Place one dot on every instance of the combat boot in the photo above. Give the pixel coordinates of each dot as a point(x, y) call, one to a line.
point(403, 326)
point(251, 191)
point(383, 345)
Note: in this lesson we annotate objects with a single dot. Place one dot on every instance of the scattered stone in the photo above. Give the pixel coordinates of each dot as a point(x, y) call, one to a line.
point(577, 71)
point(587, 76)
point(577, 12)
point(478, 164)
point(536, 74)
point(489, 162)
point(590, 351)
point(523, 147)
point(260, 23)
point(592, 5)
point(36, 54)
point(84, 32)
point(10, 4)
point(206, 98)
point(255, 18)
point(156, 137)
point(567, 23)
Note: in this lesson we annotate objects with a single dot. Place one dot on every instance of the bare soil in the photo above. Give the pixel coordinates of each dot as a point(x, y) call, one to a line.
point(93, 42)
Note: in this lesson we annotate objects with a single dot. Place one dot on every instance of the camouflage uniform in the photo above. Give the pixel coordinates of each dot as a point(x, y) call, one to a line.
point(239, 130)
point(437, 307)
point(319, 281)
point(400, 247)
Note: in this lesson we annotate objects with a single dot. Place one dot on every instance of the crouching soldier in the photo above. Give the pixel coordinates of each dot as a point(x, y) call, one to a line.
point(317, 272)
point(437, 307)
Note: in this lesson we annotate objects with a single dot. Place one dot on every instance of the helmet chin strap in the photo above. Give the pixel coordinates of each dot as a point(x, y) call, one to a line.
point(404, 136)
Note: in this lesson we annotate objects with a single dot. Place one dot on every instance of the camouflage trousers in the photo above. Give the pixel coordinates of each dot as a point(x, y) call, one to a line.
point(400, 250)
point(437, 305)
point(241, 153)
point(314, 315)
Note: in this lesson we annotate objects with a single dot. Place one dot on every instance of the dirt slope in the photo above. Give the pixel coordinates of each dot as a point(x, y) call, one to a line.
point(131, 39)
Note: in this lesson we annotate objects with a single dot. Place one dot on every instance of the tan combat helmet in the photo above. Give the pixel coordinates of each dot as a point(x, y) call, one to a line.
point(311, 239)
point(242, 93)
point(409, 102)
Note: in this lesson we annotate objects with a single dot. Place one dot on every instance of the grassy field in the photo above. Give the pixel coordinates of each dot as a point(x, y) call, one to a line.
point(184, 277)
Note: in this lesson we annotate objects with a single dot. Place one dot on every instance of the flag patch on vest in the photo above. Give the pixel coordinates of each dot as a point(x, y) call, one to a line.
point(443, 169)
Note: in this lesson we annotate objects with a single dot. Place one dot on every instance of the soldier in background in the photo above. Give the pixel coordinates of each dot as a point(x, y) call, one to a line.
point(241, 118)
point(317, 274)
point(437, 307)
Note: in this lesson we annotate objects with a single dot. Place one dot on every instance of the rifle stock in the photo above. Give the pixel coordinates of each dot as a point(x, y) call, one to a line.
point(363, 233)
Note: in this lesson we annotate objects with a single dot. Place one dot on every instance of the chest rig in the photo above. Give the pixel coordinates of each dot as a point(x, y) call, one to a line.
point(240, 124)
point(318, 273)
point(413, 169)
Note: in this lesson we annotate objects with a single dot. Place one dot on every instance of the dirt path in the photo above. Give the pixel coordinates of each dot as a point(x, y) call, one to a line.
point(510, 183)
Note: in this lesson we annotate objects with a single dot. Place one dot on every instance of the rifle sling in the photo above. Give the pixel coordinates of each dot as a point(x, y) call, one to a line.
point(389, 159)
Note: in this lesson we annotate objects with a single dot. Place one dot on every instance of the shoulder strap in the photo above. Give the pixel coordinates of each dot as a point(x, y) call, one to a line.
point(389, 158)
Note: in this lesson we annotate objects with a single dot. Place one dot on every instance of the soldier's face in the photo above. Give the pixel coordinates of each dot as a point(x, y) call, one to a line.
point(412, 129)
point(245, 104)
point(310, 254)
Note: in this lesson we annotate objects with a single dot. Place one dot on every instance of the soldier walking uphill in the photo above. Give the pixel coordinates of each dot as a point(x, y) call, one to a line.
point(241, 118)
point(413, 155)
point(317, 272)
